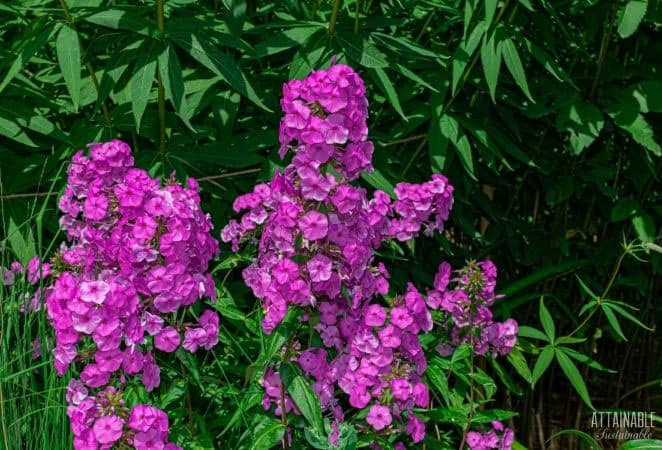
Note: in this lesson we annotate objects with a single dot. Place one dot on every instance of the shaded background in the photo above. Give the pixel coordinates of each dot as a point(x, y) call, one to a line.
point(545, 116)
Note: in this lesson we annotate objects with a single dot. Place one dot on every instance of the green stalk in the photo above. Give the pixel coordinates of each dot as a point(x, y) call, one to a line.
point(160, 20)
point(334, 16)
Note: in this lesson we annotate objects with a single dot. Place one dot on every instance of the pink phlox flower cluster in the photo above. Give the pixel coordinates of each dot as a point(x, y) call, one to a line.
point(379, 356)
point(499, 438)
point(468, 304)
point(325, 122)
point(137, 253)
point(316, 236)
point(102, 421)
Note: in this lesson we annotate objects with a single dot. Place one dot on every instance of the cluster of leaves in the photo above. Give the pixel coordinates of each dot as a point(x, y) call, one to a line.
point(544, 116)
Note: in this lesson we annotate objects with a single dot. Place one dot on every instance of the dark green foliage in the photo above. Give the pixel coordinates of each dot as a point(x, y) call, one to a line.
point(544, 115)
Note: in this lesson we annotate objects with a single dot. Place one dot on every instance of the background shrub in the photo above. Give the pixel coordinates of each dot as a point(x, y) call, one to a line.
point(544, 116)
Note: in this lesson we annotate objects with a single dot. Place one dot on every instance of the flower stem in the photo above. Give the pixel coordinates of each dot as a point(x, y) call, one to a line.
point(283, 415)
point(334, 16)
point(160, 19)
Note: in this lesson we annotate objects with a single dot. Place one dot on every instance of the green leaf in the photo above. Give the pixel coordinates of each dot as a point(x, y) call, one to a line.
point(637, 126)
point(142, 79)
point(613, 321)
point(490, 57)
point(544, 359)
point(514, 64)
point(490, 415)
point(279, 336)
point(437, 142)
point(518, 361)
point(527, 4)
point(28, 50)
point(464, 53)
point(68, 57)
point(583, 121)
point(345, 440)
point(302, 394)
point(207, 54)
point(533, 333)
point(642, 444)
point(116, 67)
point(456, 415)
point(23, 245)
point(246, 403)
point(644, 226)
point(516, 444)
point(10, 129)
point(267, 433)
point(584, 437)
point(413, 77)
point(505, 378)
point(546, 321)
point(543, 273)
point(403, 46)
point(362, 51)
point(173, 82)
point(450, 128)
point(281, 41)
point(377, 180)
point(585, 288)
point(648, 95)
point(490, 9)
point(438, 380)
point(548, 62)
point(582, 358)
point(309, 55)
point(570, 371)
point(569, 340)
point(631, 16)
point(617, 308)
point(624, 209)
point(119, 19)
point(387, 86)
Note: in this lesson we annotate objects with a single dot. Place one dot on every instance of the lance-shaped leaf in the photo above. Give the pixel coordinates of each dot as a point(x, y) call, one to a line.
point(266, 433)
point(68, 57)
point(142, 79)
point(173, 82)
point(570, 371)
point(450, 128)
point(302, 394)
point(514, 64)
point(28, 50)
point(207, 54)
point(490, 57)
point(631, 16)
point(387, 86)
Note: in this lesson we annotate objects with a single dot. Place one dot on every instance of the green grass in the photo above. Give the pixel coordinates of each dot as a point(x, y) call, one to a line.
point(32, 396)
point(32, 408)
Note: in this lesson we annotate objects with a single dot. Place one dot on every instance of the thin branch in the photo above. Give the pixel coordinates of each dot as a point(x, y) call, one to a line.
point(26, 195)
point(228, 175)
point(405, 140)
